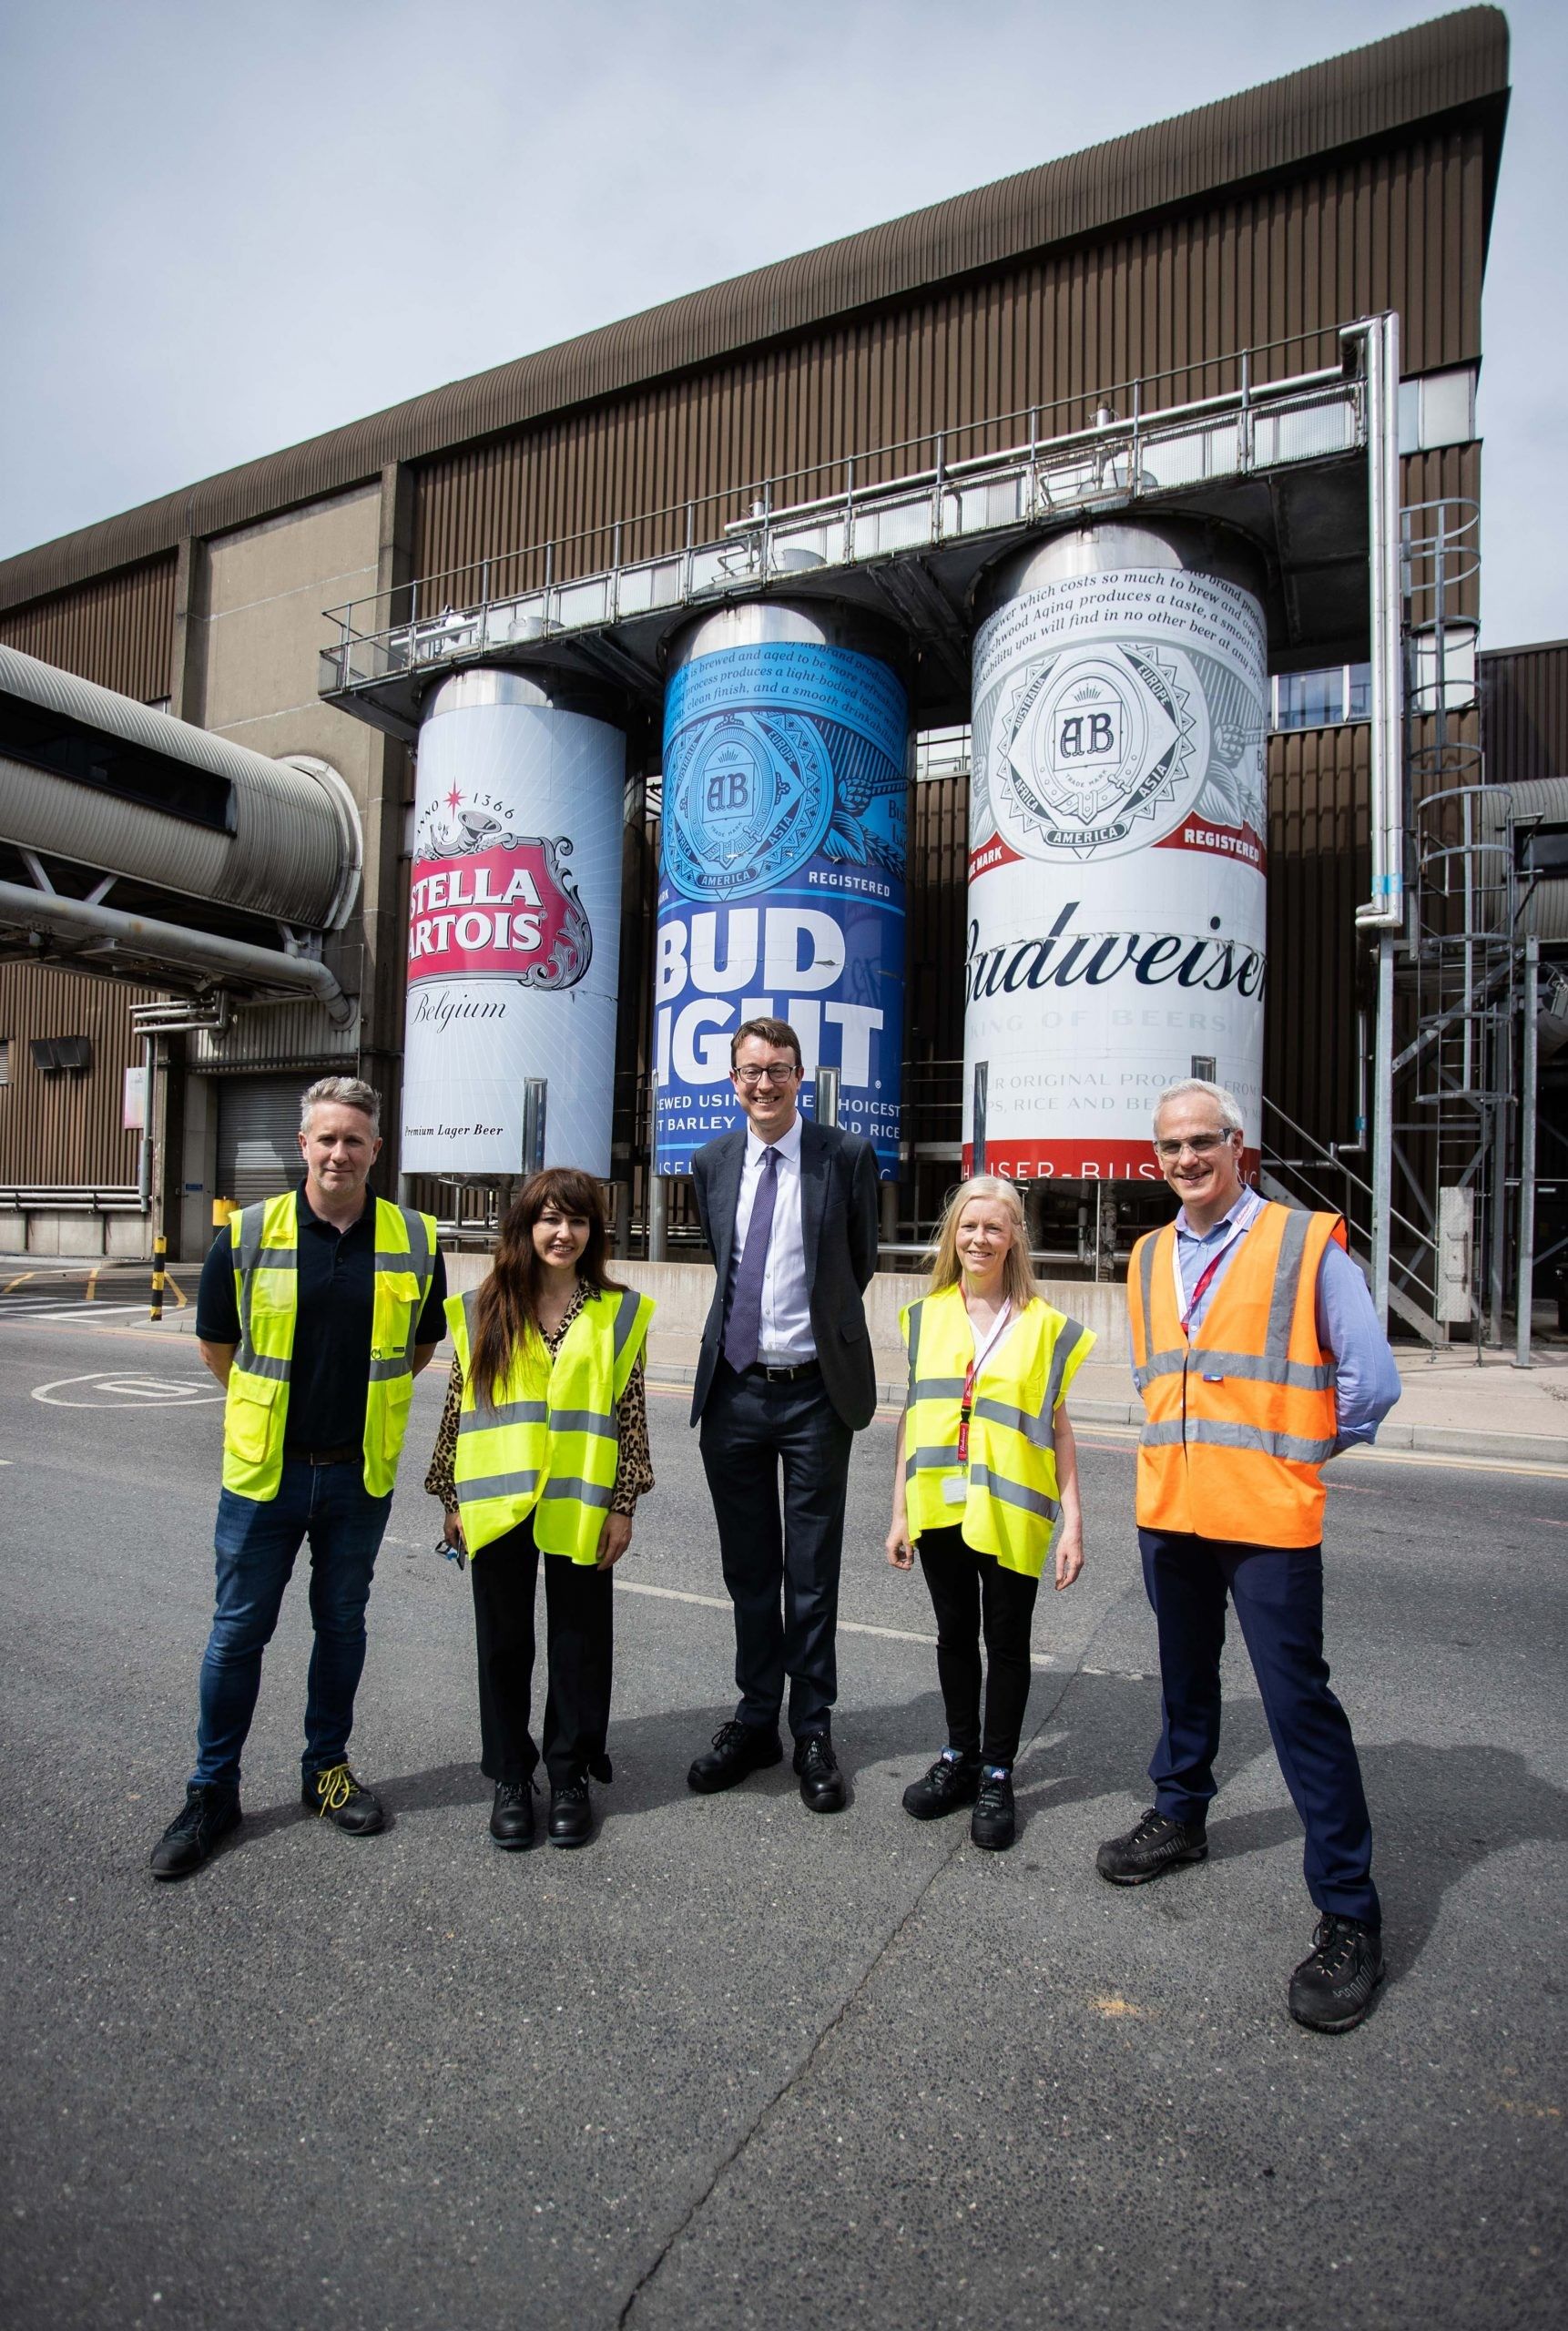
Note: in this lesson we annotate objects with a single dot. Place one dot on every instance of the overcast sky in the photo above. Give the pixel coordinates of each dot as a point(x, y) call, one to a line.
point(227, 229)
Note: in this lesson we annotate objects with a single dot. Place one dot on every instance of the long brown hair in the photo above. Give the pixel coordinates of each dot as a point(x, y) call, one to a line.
point(1017, 1272)
point(507, 1307)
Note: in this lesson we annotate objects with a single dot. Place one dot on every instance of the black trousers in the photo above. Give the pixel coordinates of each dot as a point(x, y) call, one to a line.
point(780, 1563)
point(969, 1591)
point(579, 1614)
point(1278, 1592)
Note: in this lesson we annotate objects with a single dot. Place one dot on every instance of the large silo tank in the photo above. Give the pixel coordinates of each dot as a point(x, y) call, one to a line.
point(782, 868)
point(1117, 826)
point(513, 925)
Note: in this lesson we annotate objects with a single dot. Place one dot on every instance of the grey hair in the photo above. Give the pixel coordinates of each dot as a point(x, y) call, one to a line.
point(348, 1093)
point(1223, 1100)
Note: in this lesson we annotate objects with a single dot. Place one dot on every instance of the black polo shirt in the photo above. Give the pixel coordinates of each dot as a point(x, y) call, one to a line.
point(332, 1368)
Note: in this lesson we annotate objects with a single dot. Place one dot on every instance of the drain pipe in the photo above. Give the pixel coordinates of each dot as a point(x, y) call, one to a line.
point(1384, 913)
point(47, 910)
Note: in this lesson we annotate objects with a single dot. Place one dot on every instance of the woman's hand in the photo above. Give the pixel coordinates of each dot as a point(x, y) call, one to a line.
point(1069, 1554)
point(452, 1529)
point(900, 1551)
point(613, 1538)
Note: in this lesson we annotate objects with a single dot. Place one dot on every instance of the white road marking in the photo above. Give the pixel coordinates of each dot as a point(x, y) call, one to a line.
point(128, 1392)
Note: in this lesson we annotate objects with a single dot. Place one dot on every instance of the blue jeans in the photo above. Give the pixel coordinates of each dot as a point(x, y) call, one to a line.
point(256, 1545)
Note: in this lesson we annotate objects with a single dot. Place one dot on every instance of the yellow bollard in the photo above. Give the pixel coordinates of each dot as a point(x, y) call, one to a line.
point(159, 1249)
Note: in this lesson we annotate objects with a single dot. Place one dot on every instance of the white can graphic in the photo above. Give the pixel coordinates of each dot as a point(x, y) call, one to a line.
point(1117, 874)
point(513, 927)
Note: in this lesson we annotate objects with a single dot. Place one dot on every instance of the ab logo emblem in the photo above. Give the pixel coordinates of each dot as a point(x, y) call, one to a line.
point(747, 799)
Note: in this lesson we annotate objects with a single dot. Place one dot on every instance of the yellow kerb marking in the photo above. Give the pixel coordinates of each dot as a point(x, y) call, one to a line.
point(1531, 2112)
point(19, 1280)
point(92, 1293)
point(1110, 2005)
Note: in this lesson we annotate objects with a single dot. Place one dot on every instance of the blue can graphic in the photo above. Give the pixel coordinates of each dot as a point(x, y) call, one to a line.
point(781, 874)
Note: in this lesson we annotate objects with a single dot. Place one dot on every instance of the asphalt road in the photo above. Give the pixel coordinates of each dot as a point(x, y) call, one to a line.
point(734, 2064)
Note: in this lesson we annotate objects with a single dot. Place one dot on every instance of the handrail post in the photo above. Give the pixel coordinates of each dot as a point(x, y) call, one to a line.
point(1528, 1078)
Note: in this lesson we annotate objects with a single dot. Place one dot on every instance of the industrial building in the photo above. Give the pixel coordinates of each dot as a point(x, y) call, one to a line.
point(1186, 335)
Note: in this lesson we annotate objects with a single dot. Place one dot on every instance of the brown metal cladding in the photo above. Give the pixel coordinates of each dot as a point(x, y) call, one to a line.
point(116, 630)
point(63, 1128)
point(1525, 712)
point(1318, 873)
point(1288, 263)
point(1295, 256)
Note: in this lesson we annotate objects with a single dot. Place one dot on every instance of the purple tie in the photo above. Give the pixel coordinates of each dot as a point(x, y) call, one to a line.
point(744, 1322)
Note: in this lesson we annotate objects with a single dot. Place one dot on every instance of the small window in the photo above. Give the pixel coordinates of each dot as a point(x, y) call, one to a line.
point(1323, 699)
point(1542, 850)
point(52, 1053)
point(5, 1060)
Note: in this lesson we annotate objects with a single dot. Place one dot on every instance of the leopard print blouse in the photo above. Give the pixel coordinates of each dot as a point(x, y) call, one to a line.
point(634, 1459)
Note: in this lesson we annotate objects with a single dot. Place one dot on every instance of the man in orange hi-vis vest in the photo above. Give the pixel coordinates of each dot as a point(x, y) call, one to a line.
point(1258, 1356)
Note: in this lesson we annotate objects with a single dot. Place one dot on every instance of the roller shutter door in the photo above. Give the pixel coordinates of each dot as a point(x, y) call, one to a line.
point(257, 1119)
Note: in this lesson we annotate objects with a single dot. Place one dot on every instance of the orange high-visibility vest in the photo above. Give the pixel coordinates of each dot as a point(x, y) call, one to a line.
point(1239, 1421)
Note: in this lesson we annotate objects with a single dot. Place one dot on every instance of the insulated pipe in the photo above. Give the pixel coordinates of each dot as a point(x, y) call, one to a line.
point(42, 910)
point(1529, 1079)
point(1384, 913)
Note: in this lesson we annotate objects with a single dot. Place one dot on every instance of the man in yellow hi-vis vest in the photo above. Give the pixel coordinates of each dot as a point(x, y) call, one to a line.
point(318, 1309)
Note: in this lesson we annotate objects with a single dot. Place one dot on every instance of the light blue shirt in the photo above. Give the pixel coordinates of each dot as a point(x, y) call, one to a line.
point(1365, 1381)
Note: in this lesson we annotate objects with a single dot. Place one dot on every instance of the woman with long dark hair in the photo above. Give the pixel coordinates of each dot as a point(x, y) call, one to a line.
point(543, 1448)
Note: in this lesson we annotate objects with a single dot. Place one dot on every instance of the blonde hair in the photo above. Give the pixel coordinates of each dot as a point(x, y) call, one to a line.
point(1017, 1275)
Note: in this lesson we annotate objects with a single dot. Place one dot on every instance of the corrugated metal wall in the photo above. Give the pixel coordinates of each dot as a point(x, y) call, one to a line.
point(1524, 711)
point(118, 630)
point(63, 1127)
point(1290, 263)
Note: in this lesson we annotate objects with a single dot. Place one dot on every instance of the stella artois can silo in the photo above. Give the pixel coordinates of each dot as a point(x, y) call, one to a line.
point(513, 925)
point(1115, 934)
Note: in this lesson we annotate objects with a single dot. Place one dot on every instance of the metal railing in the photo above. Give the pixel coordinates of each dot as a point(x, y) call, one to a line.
point(1131, 438)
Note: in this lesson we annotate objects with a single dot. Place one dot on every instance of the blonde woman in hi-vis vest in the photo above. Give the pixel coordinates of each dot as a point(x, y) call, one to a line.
point(986, 1473)
point(543, 1450)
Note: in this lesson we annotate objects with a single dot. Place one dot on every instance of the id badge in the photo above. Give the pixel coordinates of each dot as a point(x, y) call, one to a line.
point(955, 1490)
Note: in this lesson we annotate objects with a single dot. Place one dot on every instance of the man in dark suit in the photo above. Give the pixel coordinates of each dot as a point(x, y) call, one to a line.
point(784, 1378)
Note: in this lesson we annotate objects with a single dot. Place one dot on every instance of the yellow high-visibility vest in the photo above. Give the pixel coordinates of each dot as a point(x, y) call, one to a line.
point(546, 1444)
point(1240, 1419)
point(1011, 1498)
point(265, 1239)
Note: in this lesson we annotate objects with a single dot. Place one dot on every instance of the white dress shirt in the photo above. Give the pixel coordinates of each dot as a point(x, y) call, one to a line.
point(784, 1336)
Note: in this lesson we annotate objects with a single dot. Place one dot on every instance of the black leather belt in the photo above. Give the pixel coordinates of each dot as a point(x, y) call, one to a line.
point(791, 1375)
point(339, 1456)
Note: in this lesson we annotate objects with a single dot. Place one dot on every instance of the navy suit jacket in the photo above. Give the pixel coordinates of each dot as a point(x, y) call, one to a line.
point(839, 1229)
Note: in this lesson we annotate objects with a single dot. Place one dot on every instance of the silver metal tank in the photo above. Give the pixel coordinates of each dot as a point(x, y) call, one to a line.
point(513, 924)
point(1118, 823)
point(781, 871)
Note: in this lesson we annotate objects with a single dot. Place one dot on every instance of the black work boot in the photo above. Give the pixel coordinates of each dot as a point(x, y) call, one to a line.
point(571, 1814)
point(337, 1796)
point(1156, 1845)
point(210, 1810)
point(1332, 1988)
point(994, 1823)
point(950, 1783)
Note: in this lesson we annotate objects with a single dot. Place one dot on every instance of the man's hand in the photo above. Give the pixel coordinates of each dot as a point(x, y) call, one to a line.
point(613, 1538)
point(217, 1357)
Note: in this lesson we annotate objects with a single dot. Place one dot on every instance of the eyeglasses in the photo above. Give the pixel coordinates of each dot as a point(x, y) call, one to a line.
point(777, 1072)
point(1202, 1145)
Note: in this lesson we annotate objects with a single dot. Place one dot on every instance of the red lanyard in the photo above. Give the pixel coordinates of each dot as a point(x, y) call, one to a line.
point(1201, 1289)
point(966, 1403)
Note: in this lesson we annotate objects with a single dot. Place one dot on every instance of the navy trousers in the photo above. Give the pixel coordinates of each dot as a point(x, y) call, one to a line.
point(781, 1557)
point(1278, 1592)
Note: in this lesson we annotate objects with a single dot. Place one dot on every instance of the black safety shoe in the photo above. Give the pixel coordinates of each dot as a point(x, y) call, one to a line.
point(822, 1782)
point(1332, 1988)
point(511, 1815)
point(738, 1749)
point(994, 1823)
point(208, 1813)
point(571, 1814)
point(1156, 1845)
point(952, 1782)
point(335, 1795)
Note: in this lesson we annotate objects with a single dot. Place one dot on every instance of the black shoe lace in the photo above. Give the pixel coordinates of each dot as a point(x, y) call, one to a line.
point(995, 1794)
point(572, 1793)
point(729, 1736)
point(1154, 1825)
point(1334, 1944)
point(512, 1792)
